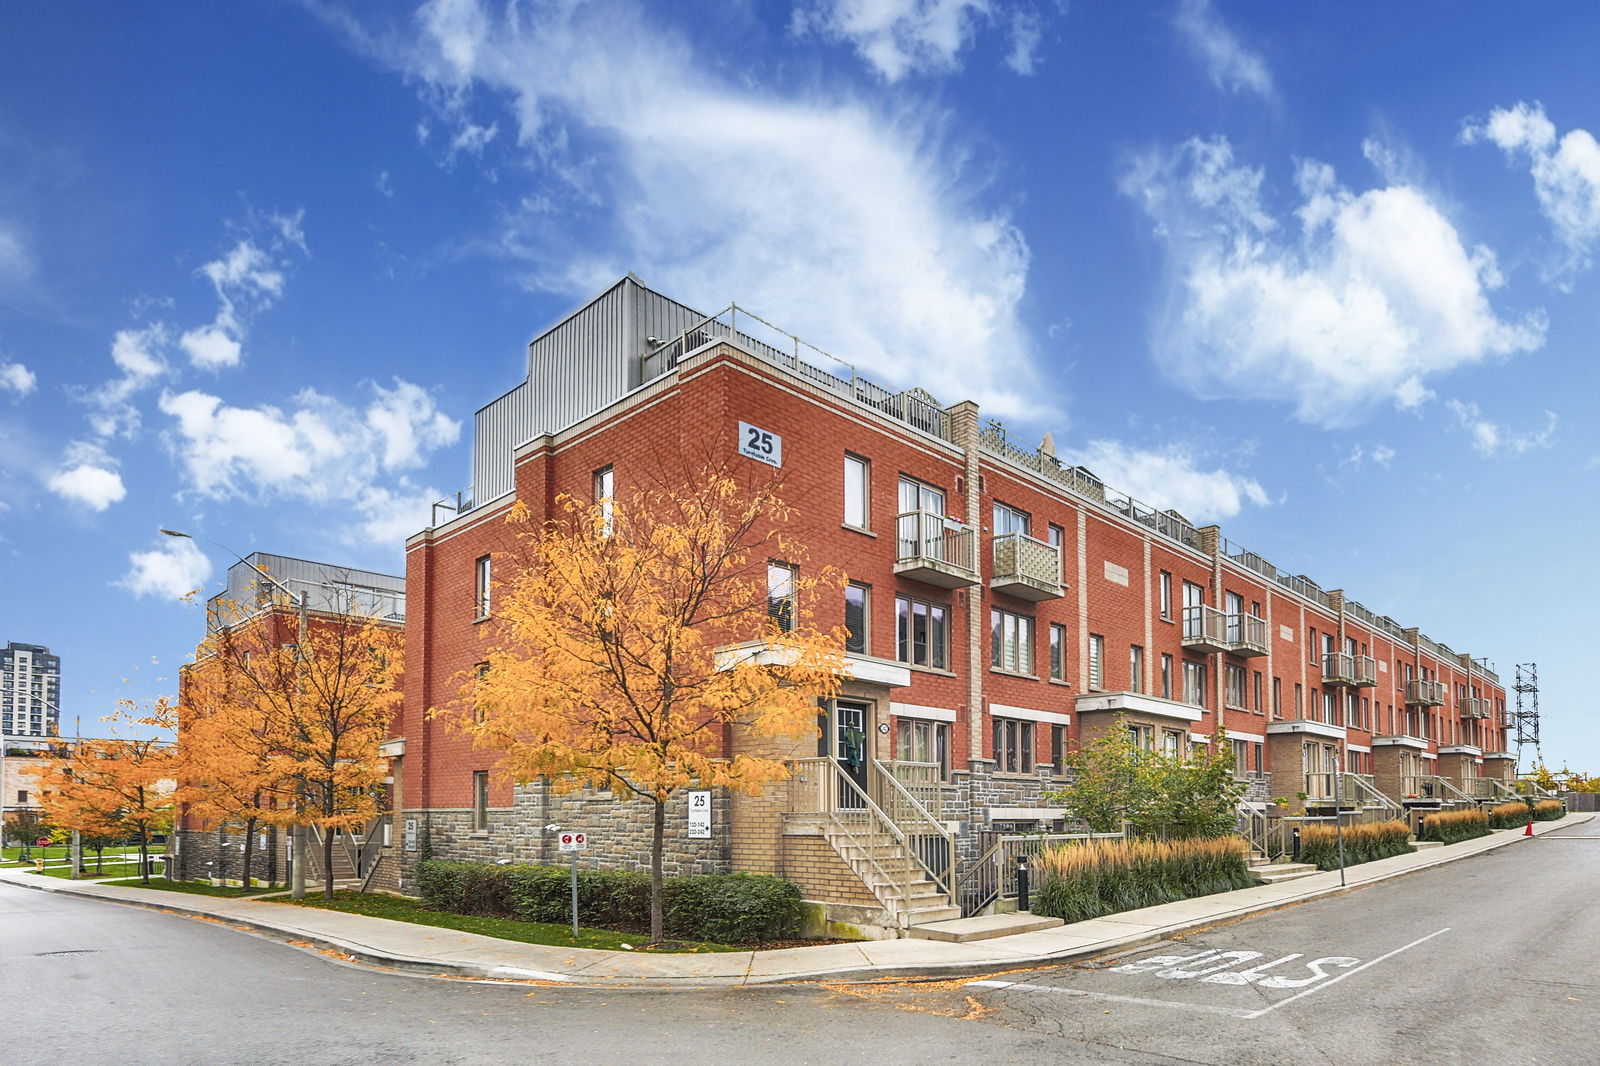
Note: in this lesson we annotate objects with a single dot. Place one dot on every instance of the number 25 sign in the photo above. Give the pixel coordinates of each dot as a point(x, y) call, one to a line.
point(759, 444)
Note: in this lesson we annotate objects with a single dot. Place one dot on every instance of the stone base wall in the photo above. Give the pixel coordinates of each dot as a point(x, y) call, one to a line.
point(618, 830)
point(205, 854)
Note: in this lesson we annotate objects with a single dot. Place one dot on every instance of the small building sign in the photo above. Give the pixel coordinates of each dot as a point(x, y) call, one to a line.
point(762, 445)
point(411, 834)
point(700, 815)
point(570, 841)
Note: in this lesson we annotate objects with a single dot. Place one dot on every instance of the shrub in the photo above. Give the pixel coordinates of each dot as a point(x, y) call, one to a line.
point(1081, 881)
point(725, 908)
point(1452, 827)
point(1513, 815)
point(1549, 810)
point(1319, 845)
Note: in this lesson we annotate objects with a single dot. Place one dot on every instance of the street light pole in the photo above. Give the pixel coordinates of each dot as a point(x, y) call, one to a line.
point(297, 831)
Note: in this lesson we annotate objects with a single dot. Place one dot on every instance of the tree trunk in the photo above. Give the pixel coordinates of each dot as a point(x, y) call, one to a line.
point(144, 853)
point(657, 845)
point(249, 838)
point(327, 863)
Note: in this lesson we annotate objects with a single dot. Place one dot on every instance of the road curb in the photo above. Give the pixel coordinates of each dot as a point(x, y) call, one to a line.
point(395, 962)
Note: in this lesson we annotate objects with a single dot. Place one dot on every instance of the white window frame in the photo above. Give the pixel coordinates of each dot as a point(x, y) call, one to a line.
point(857, 492)
point(938, 643)
point(605, 497)
point(1011, 641)
point(483, 578)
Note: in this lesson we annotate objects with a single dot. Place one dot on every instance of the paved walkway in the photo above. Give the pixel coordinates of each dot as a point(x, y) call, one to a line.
point(444, 952)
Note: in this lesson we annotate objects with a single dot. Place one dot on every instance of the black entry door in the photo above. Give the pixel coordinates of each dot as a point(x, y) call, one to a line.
point(850, 748)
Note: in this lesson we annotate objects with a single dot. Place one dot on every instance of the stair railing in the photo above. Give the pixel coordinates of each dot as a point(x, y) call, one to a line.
point(846, 806)
point(1359, 787)
point(931, 842)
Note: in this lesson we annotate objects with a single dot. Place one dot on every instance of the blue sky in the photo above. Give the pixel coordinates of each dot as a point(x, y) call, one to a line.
point(1323, 273)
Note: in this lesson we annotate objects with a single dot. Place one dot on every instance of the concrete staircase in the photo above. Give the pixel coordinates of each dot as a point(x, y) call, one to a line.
point(895, 878)
point(1272, 873)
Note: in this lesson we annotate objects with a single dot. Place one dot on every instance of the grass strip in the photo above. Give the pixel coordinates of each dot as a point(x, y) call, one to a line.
point(407, 910)
point(196, 888)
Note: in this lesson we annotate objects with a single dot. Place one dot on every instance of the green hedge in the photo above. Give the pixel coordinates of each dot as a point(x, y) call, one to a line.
point(1452, 827)
point(1077, 882)
point(723, 909)
point(1319, 845)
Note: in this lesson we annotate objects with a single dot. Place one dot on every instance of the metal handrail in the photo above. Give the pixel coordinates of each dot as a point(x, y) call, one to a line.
point(918, 824)
point(834, 781)
point(925, 535)
point(994, 875)
point(1430, 693)
point(1447, 789)
point(1341, 665)
point(1363, 787)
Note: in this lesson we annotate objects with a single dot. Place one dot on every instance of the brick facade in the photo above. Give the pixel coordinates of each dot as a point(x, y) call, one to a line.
point(1116, 556)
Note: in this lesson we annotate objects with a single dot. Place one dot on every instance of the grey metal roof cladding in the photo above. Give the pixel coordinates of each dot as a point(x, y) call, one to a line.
point(578, 365)
point(329, 587)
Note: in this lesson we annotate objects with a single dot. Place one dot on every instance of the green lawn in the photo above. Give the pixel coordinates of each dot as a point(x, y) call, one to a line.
point(110, 869)
point(63, 852)
point(407, 910)
point(198, 888)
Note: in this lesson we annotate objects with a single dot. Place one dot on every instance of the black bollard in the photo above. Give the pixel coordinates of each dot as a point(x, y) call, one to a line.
point(1295, 852)
point(1022, 883)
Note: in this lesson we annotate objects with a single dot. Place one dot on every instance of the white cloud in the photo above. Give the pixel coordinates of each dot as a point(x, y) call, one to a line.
point(247, 279)
point(1565, 171)
point(897, 37)
point(1169, 478)
point(858, 230)
point(384, 186)
point(1228, 63)
point(1358, 299)
point(17, 378)
point(171, 571)
point(1492, 438)
point(16, 261)
point(88, 476)
point(138, 353)
point(320, 450)
point(1026, 32)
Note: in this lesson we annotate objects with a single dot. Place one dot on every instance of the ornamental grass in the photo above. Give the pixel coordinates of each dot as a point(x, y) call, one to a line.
point(1319, 844)
point(1452, 827)
point(1076, 882)
point(1513, 815)
point(1549, 810)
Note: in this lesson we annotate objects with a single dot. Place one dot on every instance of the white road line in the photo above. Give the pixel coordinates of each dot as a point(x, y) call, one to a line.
point(1202, 1008)
point(1341, 977)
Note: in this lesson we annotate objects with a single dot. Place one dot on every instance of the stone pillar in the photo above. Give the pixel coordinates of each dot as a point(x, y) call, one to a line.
point(964, 435)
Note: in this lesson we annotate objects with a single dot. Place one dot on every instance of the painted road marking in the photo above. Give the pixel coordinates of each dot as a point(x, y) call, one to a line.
point(1218, 967)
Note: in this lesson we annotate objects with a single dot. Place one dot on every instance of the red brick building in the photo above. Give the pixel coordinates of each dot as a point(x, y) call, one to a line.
point(1002, 607)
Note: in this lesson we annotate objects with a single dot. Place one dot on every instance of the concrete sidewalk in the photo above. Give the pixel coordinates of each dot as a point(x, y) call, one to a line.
point(444, 952)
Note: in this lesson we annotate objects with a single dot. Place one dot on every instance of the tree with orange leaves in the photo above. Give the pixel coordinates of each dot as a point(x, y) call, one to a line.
point(633, 639)
point(119, 786)
point(287, 733)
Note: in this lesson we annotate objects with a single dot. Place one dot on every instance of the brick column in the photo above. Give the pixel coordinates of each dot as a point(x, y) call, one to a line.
point(964, 435)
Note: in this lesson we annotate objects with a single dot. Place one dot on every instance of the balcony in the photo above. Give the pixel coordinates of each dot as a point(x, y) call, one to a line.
point(1342, 668)
point(1209, 629)
point(1475, 708)
point(1425, 693)
point(1026, 568)
point(936, 550)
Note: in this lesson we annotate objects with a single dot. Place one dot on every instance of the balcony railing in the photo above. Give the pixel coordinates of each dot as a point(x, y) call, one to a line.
point(1026, 568)
point(1475, 708)
point(1425, 693)
point(935, 549)
point(1210, 629)
point(1342, 668)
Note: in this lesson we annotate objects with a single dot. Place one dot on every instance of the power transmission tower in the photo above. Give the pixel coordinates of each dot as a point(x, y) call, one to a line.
point(1527, 713)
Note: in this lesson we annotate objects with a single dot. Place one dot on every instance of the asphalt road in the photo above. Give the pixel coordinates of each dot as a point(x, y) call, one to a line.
point(1485, 961)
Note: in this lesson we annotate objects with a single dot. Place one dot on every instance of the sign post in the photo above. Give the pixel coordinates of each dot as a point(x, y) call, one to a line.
point(573, 842)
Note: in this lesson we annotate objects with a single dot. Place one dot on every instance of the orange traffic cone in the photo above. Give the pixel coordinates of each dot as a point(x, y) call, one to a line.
point(1528, 832)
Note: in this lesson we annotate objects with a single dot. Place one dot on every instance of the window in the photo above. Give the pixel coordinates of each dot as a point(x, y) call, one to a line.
point(921, 632)
point(1142, 737)
point(1257, 705)
point(780, 595)
point(1166, 677)
point(1009, 520)
point(856, 482)
point(1013, 746)
point(481, 671)
point(1058, 750)
point(1171, 743)
point(1010, 641)
point(1194, 683)
point(1257, 747)
point(1298, 701)
point(1311, 646)
point(1166, 595)
point(1234, 678)
point(1135, 668)
point(917, 740)
point(481, 580)
point(1193, 595)
point(480, 799)
point(1058, 652)
point(604, 498)
point(1097, 658)
point(22, 795)
point(915, 496)
point(1241, 755)
point(1330, 708)
point(855, 618)
point(1054, 536)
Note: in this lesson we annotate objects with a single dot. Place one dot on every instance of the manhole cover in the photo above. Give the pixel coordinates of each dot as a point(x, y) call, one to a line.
point(59, 954)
